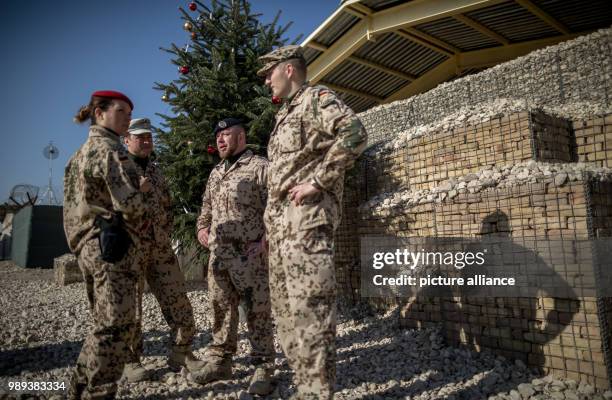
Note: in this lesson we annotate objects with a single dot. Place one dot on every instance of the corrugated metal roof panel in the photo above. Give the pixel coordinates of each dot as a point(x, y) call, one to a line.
point(357, 104)
point(378, 5)
point(459, 35)
point(364, 79)
point(513, 22)
point(579, 16)
point(339, 27)
point(310, 54)
point(396, 52)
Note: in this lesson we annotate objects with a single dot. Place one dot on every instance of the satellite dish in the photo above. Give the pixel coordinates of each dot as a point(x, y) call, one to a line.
point(51, 152)
point(24, 194)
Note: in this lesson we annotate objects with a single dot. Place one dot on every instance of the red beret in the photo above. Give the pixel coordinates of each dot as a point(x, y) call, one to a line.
point(111, 94)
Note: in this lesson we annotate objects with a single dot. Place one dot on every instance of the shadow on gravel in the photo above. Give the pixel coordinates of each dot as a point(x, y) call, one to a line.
point(41, 358)
point(157, 342)
point(196, 393)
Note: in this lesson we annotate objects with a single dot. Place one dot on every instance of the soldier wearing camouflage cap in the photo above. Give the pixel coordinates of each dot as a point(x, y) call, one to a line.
point(231, 226)
point(161, 269)
point(316, 138)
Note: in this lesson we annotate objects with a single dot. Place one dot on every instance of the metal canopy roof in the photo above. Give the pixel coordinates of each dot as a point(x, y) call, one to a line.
point(378, 51)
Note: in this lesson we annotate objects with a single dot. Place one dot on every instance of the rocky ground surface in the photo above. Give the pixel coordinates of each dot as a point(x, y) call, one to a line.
point(558, 174)
point(42, 327)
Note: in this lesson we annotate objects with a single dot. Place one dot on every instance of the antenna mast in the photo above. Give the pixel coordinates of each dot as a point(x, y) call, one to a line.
point(51, 153)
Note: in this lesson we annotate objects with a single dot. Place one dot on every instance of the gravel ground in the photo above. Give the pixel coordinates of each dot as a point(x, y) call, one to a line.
point(42, 327)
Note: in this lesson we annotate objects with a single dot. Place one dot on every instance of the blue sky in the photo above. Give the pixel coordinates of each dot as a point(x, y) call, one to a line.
point(56, 53)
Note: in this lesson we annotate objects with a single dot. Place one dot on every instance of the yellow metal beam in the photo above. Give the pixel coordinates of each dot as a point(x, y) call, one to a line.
point(365, 10)
point(353, 92)
point(425, 43)
point(417, 12)
point(431, 39)
point(338, 52)
point(482, 29)
point(354, 12)
point(543, 15)
point(403, 15)
point(328, 21)
point(317, 46)
point(412, 34)
point(473, 59)
point(367, 63)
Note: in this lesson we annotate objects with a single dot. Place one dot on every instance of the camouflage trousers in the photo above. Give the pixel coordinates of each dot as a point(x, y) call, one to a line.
point(229, 282)
point(303, 291)
point(111, 291)
point(167, 283)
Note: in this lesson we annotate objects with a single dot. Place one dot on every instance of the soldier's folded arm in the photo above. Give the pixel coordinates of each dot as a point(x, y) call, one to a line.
point(126, 198)
point(337, 119)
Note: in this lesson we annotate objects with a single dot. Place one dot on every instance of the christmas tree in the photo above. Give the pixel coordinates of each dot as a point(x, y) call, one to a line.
point(216, 79)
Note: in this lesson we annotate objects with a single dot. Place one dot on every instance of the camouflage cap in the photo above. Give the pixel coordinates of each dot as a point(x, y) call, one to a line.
point(281, 54)
point(140, 126)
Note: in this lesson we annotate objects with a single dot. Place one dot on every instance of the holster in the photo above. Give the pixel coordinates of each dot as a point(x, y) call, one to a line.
point(114, 240)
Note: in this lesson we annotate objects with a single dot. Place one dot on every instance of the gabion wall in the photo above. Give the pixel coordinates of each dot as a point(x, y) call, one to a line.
point(574, 76)
point(532, 149)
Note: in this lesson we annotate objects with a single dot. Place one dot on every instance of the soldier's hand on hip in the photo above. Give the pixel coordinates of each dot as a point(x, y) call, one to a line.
point(299, 193)
point(145, 184)
point(203, 237)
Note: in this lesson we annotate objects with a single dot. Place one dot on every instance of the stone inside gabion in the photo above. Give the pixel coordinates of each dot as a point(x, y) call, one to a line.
point(490, 177)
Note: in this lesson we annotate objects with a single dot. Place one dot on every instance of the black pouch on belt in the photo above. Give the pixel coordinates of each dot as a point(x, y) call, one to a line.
point(114, 240)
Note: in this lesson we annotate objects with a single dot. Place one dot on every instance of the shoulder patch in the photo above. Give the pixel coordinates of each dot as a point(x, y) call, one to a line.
point(326, 99)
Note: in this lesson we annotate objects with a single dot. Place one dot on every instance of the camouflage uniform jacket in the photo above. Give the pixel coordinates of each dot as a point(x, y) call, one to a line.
point(159, 203)
point(100, 179)
point(316, 138)
point(233, 205)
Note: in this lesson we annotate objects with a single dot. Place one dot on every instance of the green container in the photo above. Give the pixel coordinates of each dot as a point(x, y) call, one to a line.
point(38, 236)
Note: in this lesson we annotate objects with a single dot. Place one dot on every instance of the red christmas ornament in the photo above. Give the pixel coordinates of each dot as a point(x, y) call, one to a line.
point(211, 149)
point(276, 100)
point(193, 35)
point(193, 6)
point(184, 69)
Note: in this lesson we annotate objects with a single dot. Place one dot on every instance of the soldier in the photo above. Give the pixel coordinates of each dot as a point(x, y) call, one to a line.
point(104, 216)
point(161, 269)
point(231, 227)
point(315, 140)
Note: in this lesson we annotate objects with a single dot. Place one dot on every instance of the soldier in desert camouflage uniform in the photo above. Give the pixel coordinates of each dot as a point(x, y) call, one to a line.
point(231, 226)
point(315, 140)
point(161, 269)
point(100, 182)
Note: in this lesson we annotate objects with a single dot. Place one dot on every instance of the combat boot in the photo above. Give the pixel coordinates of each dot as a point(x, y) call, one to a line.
point(181, 356)
point(261, 382)
point(135, 372)
point(76, 387)
point(216, 369)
